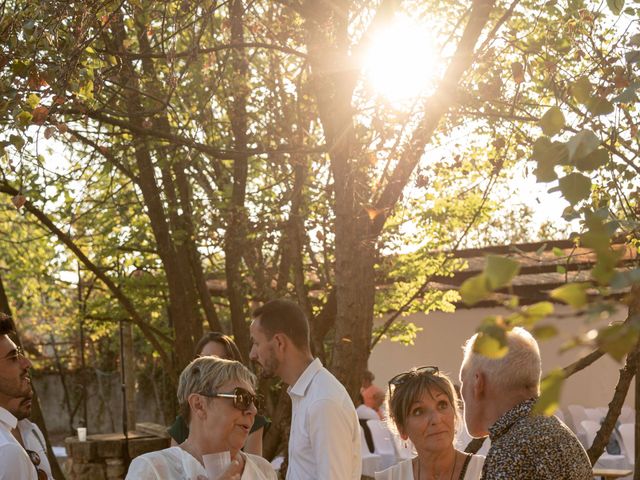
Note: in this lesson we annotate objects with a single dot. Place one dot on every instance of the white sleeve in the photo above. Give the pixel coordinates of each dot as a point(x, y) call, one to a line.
point(142, 468)
point(330, 432)
point(15, 463)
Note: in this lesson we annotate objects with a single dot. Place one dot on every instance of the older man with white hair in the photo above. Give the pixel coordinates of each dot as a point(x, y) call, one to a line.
point(499, 395)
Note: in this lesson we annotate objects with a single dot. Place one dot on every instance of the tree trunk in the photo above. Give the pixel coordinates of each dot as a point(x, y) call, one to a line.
point(235, 240)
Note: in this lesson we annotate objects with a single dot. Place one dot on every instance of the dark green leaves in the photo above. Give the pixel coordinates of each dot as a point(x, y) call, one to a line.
point(599, 106)
point(548, 154)
point(581, 90)
point(615, 6)
point(552, 122)
point(618, 340)
point(596, 159)
point(581, 144)
point(575, 187)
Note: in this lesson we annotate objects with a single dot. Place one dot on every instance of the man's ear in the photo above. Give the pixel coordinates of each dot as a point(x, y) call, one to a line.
point(280, 340)
point(479, 384)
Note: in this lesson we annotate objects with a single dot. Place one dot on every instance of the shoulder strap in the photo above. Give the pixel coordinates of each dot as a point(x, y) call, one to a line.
point(463, 472)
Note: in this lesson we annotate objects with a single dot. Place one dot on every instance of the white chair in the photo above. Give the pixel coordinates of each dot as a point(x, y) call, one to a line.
point(606, 460)
point(628, 441)
point(577, 414)
point(383, 443)
point(370, 461)
point(627, 415)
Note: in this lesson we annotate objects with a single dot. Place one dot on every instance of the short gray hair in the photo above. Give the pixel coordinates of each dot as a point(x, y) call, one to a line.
point(206, 375)
point(520, 368)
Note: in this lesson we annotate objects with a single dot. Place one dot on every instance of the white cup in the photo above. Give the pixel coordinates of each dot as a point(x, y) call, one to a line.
point(216, 463)
point(82, 434)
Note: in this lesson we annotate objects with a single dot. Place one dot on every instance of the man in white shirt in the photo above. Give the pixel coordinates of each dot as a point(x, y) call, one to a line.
point(30, 437)
point(324, 442)
point(15, 385)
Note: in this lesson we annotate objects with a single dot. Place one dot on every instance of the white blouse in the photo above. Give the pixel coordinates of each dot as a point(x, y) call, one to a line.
point(404, 470)
point(176, 464)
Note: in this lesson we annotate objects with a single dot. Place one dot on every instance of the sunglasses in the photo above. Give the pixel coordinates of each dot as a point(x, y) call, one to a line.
point(404, 377)
point(242, 399)
point(35, 459)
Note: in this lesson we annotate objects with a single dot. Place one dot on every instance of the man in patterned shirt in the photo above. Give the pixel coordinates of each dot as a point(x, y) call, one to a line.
point(499, 395)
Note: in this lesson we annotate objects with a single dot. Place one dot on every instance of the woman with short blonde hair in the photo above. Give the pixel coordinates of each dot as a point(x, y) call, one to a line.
point(218, 401)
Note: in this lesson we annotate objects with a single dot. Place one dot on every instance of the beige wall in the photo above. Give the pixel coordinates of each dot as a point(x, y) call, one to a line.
point(440, 341)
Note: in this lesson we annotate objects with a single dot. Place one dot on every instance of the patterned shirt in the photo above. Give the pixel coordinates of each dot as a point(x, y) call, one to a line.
point(527, 446)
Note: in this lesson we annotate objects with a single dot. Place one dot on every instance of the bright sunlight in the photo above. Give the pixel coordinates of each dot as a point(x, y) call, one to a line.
point(402, 62)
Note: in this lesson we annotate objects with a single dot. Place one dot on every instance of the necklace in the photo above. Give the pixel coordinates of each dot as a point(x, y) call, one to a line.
point(455, 463)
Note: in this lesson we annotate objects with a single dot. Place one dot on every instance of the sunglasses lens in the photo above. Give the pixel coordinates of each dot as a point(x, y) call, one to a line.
point(243, 400)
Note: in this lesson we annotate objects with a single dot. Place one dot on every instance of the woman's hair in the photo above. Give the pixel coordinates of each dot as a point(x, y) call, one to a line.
point(403, 396)
point(233, 353)
point(206, 375)
point(519, 369)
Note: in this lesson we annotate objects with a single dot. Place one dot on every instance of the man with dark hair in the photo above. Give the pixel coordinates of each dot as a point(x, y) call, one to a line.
point(15, 386)
point(325, 435)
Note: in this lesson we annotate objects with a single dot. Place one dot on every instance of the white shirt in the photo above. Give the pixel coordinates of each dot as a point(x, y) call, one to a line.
point(325, 434)
point(367, 413)
point(404, 470)
point(176, 464)
point(34, 440)
point(14, 461)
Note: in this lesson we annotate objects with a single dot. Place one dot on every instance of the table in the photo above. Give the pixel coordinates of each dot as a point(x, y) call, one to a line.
point(610, 473)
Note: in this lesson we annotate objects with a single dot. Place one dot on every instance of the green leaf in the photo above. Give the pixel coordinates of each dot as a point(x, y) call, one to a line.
point(33, 100)
point(539, 310)
point(550, 389)
point(581, 90)
point(17, 141)
point(499, 271)
point(24, 118)
point(617, 340)
point(552, 122)
point(474, 289)
point(634, 41)
point(491, 342)
point(548, 155)
point(596, 159)
point(544, 332)
point(615, 6)
point(574, 294)
point(599, 106)
point(628, 95)
point(632, 56)
point(575, 187)
point(582, 144)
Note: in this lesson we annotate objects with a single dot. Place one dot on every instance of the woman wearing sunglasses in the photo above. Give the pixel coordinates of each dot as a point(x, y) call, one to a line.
point(220, 345)
point(216, 398)
point(424, 408)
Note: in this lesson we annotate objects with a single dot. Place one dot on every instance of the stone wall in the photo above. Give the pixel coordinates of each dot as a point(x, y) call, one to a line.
point(107, 456)
point(104, 402)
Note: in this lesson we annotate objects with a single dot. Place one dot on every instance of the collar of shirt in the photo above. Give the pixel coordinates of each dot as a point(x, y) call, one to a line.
point(299, 389)
point(7, 419)
point(504, 423)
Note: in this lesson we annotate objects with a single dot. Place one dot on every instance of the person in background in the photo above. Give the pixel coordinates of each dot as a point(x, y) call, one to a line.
point(423, 406)
point(324, 442)
point(15, 385)
point(217, 400)
point(499, 396)
point(373, 409)
point(220, 345)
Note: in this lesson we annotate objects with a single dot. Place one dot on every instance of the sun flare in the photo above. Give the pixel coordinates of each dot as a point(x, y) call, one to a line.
point(401, 62)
